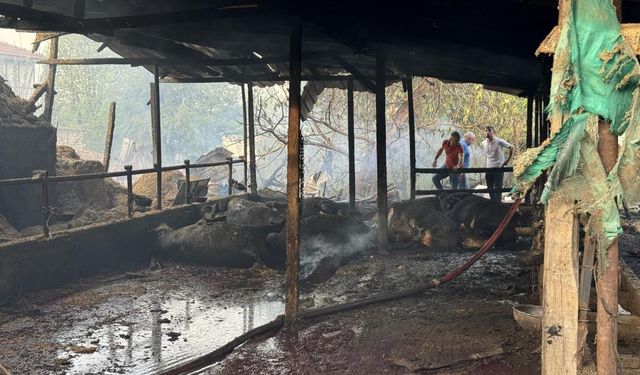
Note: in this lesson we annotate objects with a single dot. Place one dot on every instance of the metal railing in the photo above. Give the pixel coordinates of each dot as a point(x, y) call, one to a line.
point(462, 170)
point(42, 177)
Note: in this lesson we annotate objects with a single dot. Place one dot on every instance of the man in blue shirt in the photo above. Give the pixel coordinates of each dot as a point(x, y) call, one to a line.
point(466, 143)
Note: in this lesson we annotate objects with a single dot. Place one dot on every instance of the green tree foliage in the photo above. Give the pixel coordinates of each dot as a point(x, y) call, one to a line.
point(194, 119)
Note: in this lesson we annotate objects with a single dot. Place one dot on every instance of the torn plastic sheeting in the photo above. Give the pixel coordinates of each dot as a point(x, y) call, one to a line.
point(596, 75)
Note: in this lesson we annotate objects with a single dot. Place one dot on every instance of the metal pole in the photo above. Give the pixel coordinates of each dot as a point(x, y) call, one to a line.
point(157, 137)
point(230, 188)
point(253, 186)
point(412, 137)
point(529, 121)
point(187, 181)
point(381, 151)
point(46, 212)
point(244, 131)
point(293, 174)
point(129, 168)
point(351, 141)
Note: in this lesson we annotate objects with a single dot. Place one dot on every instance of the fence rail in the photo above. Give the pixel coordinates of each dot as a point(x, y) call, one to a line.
point(42, 177)
point(463, 170)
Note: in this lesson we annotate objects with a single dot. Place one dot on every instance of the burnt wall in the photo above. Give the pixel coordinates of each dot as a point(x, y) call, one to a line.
point(35, 264)
point(22, 150)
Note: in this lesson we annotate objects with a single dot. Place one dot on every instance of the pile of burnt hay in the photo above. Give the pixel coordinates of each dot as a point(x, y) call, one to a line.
point(95, 194)
point(7, 231)
point(146, 186)
point(15, 111)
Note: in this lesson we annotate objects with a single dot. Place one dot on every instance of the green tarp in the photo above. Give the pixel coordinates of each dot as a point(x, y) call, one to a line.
point(595, 76)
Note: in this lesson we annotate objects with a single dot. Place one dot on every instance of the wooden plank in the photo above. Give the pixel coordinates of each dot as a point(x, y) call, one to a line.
point(586, 278)
point(630, 32)
point(529, 121)
point(40, 89)
point(560, 289)
point(156, 133)
point(351, 142)
point(293, 176)
point(51, 81)
point(111, 124)
point(381, 151)
point(244, 134)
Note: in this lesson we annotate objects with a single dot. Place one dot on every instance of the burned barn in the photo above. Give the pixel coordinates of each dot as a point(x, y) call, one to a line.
point(195, 268)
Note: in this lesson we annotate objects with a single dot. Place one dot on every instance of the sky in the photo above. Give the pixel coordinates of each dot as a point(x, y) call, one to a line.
point(22, 40)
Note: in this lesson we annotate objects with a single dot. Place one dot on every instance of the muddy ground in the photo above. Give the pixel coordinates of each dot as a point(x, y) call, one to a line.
point(153, 319)
point(142, 322)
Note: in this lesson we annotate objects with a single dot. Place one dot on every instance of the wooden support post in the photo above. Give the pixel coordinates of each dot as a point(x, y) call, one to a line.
point(253, 185)
point(51, 80)
point(529, 121)
point(293, 174)
point(536, 122)
point(230, 177)
point(381, 151)
point(187, 181)
point(560, 290)
point(156, 133)
point(40, 89)
point(129, 169)
point(412, 138)
point(607, 360)
point(244, 134)
point(108, 141)
point(351, 142)
point(586, 278)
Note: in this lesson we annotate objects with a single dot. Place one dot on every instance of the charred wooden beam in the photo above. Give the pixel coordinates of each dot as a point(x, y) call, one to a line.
point(366, 81)
point(244, 134)
point(51, 80)
point(253, 186)
point(529, 121)
point(412, 137)
point(351, 143)
point(381, 150)
point(111, 124)
point(40, 89)
point(156, 133)
point(294, 167)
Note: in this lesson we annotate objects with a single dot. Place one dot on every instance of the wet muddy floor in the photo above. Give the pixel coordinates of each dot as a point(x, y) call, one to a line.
point(149, 320)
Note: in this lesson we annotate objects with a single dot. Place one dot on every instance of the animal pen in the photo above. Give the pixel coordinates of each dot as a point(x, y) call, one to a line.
point(360, 46)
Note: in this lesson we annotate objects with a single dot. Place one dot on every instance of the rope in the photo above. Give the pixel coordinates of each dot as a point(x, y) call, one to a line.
point(278, 322)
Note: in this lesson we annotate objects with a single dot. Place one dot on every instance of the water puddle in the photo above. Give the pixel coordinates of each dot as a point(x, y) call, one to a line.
point(156, 334)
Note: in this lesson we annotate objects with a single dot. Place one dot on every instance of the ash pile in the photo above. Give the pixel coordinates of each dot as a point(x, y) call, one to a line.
point(239, 233)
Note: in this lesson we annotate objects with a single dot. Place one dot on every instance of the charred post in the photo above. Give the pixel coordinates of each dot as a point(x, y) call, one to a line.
point(381, 151)
point(129, 170)
point(157, 137)
point(293, 175)
point(51, 80)
point(230, 178)
point(187, 181)
point(244, 133)
point(412, 138)
point(253, 185)
point(529, 121)
point(351, 141)
point(46, 211)
point(108, 142)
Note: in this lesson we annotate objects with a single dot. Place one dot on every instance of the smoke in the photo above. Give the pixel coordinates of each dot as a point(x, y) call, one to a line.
point(330, 252)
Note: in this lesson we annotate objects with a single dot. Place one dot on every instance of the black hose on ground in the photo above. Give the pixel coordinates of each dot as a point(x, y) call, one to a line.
point(277, 323)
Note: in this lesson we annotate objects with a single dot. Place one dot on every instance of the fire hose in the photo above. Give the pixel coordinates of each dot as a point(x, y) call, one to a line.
point(278, 322)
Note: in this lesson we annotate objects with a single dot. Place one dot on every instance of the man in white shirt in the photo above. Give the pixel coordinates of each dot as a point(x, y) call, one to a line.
point(494, 150)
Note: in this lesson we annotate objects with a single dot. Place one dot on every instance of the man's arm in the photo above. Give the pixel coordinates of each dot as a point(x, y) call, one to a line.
point(435, 161)
point(460, 160)
point(510, 147)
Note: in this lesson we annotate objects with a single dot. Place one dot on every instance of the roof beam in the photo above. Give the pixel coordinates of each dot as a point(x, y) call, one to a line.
point(366, 81)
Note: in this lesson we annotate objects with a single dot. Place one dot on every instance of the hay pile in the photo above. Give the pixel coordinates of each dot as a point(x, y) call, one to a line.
point(78, 196)
point(7, 231)
point(13, 109)
point(146, 186)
